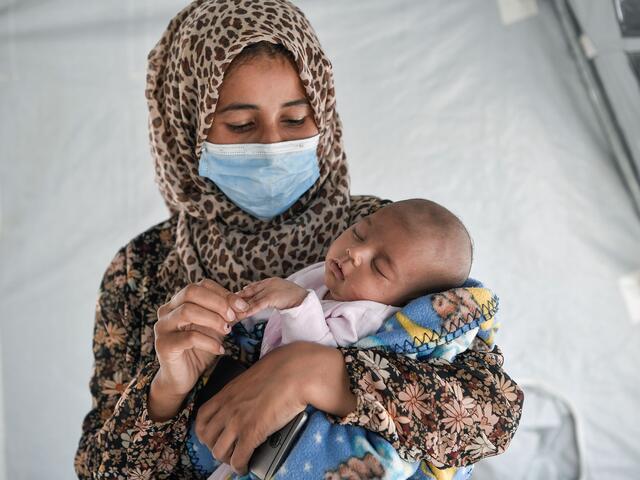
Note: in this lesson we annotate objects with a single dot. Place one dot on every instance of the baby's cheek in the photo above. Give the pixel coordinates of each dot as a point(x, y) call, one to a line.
point(361, 289)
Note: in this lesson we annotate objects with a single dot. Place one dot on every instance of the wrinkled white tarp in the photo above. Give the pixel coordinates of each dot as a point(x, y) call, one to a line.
point(490, 120)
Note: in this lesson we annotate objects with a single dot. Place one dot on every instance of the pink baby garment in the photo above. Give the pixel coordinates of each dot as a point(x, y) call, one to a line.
point(328, 322)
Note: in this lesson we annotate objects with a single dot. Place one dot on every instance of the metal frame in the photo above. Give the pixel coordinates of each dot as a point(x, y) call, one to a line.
point(601, 104)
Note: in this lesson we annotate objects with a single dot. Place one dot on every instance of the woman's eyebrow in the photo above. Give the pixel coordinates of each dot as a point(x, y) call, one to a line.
point(238, 106)
point(250, 106)
point(292, 103)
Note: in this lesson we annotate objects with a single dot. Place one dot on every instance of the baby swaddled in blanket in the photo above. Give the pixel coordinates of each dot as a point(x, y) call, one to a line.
point(402, 251)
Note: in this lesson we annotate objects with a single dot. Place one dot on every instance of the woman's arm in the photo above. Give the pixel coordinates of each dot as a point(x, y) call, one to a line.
point(119, 438)
point(279, 385)
point(451, 414)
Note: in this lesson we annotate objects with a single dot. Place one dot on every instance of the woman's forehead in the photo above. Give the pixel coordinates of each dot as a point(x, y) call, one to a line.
point(262, 82)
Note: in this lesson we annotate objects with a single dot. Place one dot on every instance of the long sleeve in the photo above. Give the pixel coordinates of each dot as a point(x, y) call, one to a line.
point(118, 439)
point(451, 414)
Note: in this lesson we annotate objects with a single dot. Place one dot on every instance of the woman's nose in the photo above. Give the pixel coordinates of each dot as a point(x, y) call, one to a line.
point(270, 134)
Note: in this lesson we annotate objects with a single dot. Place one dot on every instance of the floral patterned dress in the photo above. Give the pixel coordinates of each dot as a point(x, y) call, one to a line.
point(451, 414)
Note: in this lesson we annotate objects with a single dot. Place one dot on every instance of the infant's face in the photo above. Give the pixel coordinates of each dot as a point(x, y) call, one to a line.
point(376, 259)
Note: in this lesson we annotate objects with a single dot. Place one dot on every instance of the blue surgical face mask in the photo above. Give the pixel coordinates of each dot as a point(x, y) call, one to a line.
point(263, 179)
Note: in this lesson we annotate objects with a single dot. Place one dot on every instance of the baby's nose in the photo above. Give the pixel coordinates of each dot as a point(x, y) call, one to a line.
point(353, 256)
point(344, 260)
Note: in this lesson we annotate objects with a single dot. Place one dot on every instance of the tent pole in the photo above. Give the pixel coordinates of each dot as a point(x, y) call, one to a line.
point(600, 102)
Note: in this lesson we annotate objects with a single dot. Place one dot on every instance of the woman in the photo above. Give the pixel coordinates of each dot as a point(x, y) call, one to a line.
point(166, 297)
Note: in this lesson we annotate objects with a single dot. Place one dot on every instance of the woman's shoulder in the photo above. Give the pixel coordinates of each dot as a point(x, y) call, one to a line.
point(162, 236)
point(136, 267)
point(150, 247)
point(139, 260)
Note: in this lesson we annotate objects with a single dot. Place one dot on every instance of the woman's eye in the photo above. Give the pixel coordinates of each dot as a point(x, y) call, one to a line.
point(357, 237)
point(295, 122)
point(240, 128)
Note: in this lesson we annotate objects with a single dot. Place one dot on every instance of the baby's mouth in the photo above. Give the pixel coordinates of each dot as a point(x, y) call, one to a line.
point(335, 268)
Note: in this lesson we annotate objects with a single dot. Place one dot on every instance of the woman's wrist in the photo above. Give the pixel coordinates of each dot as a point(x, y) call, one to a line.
point(327, 385)
point(162, 403)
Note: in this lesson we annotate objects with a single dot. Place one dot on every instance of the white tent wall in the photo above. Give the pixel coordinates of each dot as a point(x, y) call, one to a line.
point(3, 463)
point(438, 99)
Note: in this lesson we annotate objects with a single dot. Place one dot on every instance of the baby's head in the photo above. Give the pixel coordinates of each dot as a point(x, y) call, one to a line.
point(404, 250)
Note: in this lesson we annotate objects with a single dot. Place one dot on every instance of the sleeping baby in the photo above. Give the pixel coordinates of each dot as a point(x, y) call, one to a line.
point(402, 251)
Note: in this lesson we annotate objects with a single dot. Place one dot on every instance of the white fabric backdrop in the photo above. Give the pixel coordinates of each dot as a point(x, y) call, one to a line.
point(490, 120)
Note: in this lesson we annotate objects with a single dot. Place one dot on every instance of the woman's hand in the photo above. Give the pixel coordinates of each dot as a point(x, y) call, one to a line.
point(188, 339)
point(268, 395)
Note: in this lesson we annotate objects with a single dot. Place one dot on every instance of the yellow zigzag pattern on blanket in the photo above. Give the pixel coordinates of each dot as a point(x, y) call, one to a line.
point(416, 331)
point(482, 297)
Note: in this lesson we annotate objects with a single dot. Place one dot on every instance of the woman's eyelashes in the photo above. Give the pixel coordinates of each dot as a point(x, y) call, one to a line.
point(295, 122)
point(246, 127)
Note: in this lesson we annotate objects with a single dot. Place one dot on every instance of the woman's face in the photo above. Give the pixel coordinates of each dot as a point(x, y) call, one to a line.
point(262, 101)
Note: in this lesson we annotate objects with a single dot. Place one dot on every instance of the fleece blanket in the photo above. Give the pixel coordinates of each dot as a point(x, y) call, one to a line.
point(437, 325)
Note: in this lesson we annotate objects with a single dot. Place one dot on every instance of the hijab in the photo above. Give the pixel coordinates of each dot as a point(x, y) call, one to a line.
point(214, 238)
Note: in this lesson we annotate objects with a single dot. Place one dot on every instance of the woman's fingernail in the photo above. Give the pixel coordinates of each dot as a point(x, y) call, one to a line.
point(221, 349)
point(231, 315)
point(241, 304)
point(227, 328)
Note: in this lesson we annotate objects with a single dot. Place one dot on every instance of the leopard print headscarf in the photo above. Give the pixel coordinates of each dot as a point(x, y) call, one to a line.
point(214, 238)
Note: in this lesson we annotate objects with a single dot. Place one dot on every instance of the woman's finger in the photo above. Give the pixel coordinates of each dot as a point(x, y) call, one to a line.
point(223, 443)
point(186, 314)
point(211, 423)
point(238, 304)
point(180, 341)
point(241, 455)
point(233, 300)
point(210, 332)
point(208, 432)
point(206, 294)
